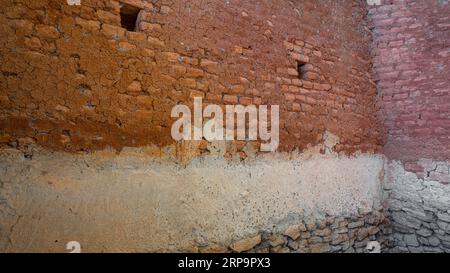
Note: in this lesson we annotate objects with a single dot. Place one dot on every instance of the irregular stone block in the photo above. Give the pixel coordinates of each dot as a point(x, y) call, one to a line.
point(246, 244)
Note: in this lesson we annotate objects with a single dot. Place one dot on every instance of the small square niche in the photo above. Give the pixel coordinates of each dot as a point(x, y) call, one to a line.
point(301, 69)
point(129, 16)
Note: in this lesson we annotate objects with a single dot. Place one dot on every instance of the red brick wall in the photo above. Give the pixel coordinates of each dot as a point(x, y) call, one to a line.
point(411, 51)
point(73, 79)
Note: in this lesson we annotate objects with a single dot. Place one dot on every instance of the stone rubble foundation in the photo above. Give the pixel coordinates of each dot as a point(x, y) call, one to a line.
point(419, 208)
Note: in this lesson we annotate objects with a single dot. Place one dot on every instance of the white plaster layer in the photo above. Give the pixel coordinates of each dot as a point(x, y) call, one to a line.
point(419, 207)
point(135, 203)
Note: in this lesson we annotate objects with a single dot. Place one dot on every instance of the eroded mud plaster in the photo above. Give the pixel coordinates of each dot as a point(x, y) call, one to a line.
point(112, 202)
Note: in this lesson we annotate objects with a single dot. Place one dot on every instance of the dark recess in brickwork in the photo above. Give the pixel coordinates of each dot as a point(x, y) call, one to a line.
point(128, 16)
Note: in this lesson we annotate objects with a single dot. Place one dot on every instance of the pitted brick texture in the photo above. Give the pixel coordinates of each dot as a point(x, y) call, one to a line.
point(411, 51)
point(73, 79)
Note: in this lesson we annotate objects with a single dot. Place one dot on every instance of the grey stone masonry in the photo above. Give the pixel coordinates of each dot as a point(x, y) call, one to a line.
point(328, 234)
point(419, 208)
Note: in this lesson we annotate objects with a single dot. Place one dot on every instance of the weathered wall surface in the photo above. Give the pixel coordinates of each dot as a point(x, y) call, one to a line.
point(133, 203)
point(411, 51)
point(75, 83)
point(411, 59)
point(73, 79)
point(419, 209)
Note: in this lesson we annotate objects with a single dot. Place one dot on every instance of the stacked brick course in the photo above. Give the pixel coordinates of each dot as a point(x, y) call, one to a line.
point(74, 79)
point(411, 51)
point(349, 234)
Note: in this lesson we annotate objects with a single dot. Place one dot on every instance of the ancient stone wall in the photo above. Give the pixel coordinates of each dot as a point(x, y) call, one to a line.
point(419, 209)
point(411, 50)
point(350, 234)
point(74, 79)
point(132, 203)
point(86, 151)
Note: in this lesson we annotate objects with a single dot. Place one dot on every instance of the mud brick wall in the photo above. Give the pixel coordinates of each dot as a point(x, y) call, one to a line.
point(132, 203)
point(75, 82)
point(72, 78)
point(411, 50)
point(411, 59)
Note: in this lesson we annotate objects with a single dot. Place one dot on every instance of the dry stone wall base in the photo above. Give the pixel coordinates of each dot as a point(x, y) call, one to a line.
point(130, 203)
point(419, 209)
point(330, 234)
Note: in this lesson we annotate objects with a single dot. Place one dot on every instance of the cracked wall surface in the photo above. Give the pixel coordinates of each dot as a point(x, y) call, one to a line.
point(419, 209)
point(86, 151)
point(97, 99)
point(73, 79)
point(411, 48)
point(132, 203)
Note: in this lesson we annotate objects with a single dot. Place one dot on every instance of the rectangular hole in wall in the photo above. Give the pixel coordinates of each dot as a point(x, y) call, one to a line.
point(128, 16)
point(301, 69)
